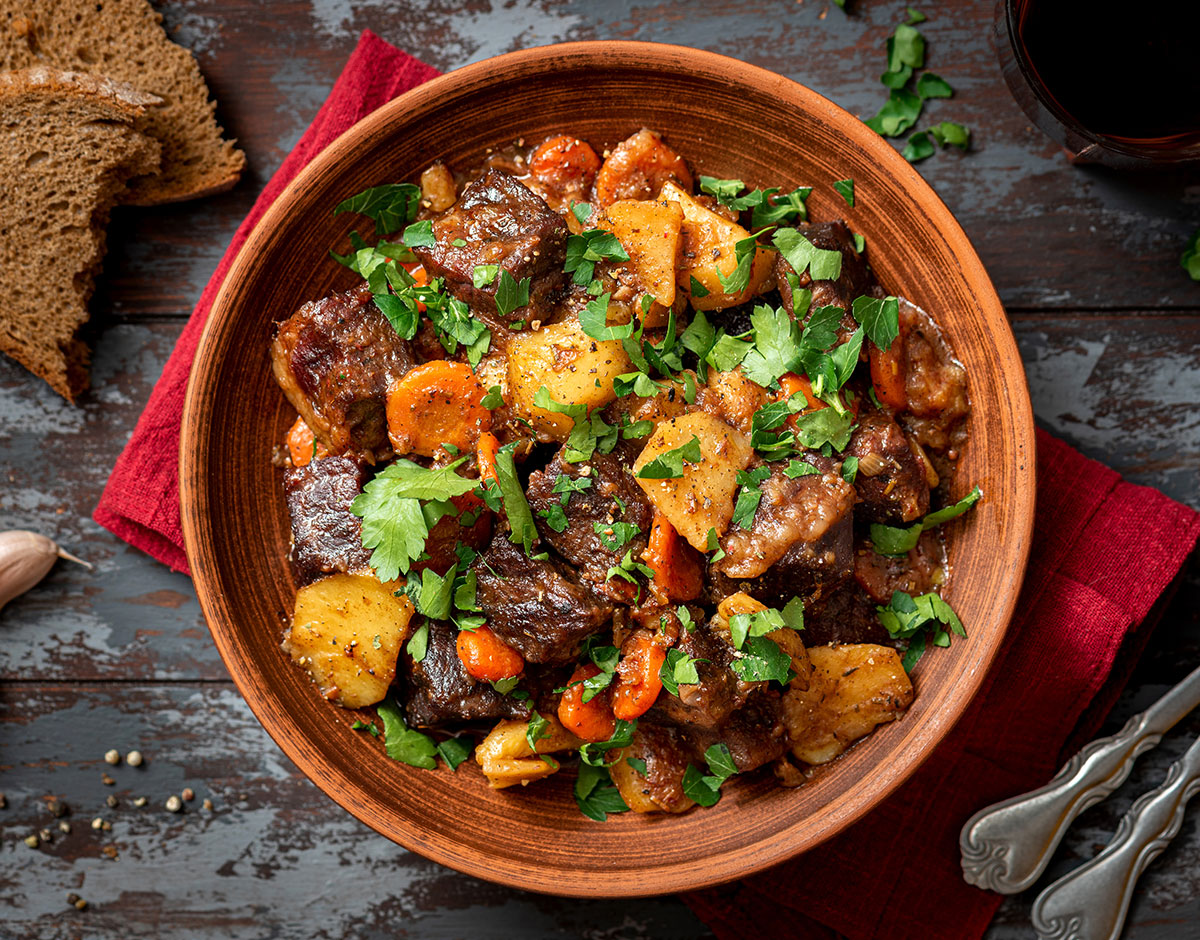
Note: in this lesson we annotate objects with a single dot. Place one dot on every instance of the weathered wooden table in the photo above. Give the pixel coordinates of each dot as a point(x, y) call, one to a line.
point(1085, 260)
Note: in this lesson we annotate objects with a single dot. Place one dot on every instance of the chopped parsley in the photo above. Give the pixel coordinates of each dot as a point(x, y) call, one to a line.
point(919, 147)
point(678, 669)
point(696, 289)
point(760, 623)
point(897, 541)
point(713, 544)
point(493, 399)
point(391, 205)
point(1190, 259)
point(761, 661)
point(845, 189)
point(627, 568)
point(749, 495)
point(594, 751)
point(398, 508)
point(593, 320)
point(907, 617)
point(850, 469)
point(744, 251)
point(522, 530)
point(879, 317)
point(402, 742)
point(419, 235)
point(821, 263)
point(950, 133)
point(365, 726)
point(455, 750)
point(511, 294)
point(418, 643)
point(799, 468)
point(537, 728)
point(484, 274)
point(584, 250)
point(705, 789)
point(615, 535)
point(669, 464)
point(933, 86)
point(595, 794)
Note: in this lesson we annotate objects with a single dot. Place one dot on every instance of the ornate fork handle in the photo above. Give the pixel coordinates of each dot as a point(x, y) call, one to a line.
point(1006, 846)
point(1091, 902)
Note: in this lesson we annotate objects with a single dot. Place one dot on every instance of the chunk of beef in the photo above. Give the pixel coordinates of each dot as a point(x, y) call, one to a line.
point(708, 703)
point(502, 222)
point(891, 483)
point(335, 359)
point(755, 734)
point(856, 279)
point(536, 607)
point(439, 690)
point(918, 572)
point(801, 536)
point(842, 613)
point(667, 754)
point(935, 382)
point(590, 514)
point(326, 536)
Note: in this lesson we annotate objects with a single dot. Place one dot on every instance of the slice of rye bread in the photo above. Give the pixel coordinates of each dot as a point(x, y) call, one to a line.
point(68, 143)
point(124, 40)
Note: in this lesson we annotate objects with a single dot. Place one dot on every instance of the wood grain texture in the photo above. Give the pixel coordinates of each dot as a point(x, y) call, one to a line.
point(1066, 248)
point(775, 133)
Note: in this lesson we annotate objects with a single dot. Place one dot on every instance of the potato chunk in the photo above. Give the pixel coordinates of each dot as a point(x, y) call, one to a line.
point(709, 247)
point(346, 632)
point(507, 759)
point(574, 368)
point(649, 774)
point(649, 231)
point(852, 689)
point(702, 498)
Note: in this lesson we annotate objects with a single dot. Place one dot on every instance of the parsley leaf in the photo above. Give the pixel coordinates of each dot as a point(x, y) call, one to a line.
point(483, 274)
point(776, 338)
point(825, 426)
point(897, 541)
point(637, 764)
point(522, 531)
point(627, 568)
point(418, 643)
point(919, 147)
point(786, 207)
point(669, 464)
point(850, 469)
point(595, 794)
point(933, 86)
point(390, 206)
point(766, 621)
point(455, 750)
point(1190, 259)
point(365, 726)
point(393, 523)
point(744, 251)
point(493, 399)
point(402, 742)
point(713, 544)
point(511, 293)
point(593, 320)
point(906, 47)
point(615, 535)
point(696, 289)
point(898, 114)
point(436, 593)
point(419, 235)
point(908, 617)
point(823, 264)
point(799, 468)
point(879, 317)
point(537, 728)
point(762, 660)
point(593, 752)
point(749, 496)
point(678, 669)
point(706, 789)
point(950, 133)
point(845, 189)
point(584, 250)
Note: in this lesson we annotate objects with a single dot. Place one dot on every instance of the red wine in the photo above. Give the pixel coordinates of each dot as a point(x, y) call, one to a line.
point(1126, 71)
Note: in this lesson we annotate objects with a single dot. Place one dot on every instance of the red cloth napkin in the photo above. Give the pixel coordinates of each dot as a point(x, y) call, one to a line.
point(1104, 550)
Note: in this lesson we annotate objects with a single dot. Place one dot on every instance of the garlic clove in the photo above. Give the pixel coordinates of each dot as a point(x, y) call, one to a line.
point(26, 558)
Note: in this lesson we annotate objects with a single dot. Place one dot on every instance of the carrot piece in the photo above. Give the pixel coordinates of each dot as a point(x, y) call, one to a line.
point(485, 656)
point(439, 402)
point(488, 448)
point(677, 572)
point(887, 374)
point(637, 682)
point(565, 162)
point(302, 445)
point(592, 720)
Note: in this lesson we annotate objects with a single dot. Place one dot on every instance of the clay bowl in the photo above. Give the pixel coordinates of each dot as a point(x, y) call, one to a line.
point(730, 120)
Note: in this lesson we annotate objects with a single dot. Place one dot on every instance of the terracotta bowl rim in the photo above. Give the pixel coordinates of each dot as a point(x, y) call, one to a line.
point(621, 55)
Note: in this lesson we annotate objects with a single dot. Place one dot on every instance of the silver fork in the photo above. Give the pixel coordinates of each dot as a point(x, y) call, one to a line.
point(1006, 846)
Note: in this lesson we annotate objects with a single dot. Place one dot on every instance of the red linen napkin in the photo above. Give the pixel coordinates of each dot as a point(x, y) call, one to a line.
point(1104, 551)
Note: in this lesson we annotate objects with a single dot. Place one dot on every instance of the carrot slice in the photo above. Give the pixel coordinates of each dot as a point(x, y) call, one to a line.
point(676, 565)
point(488, 448)
point(302, 444)
point(887, 374)
point(563, 161)
point(592, 720)
point(637, 683)
point(485, 656)
point(440, 402)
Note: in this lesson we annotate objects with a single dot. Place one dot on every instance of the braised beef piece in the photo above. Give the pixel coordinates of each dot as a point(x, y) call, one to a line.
point(326, 536)
point(710, 702)
point(856, 279)
point(916, 573)
point(539, 608)
point(612, 497)
point(504, 223)
point(842, 613)
point(891, 483)
point(801, 536)
point(335, 359)
point(667, 755)
point(755, 734)
point(935, 382)
point(439, 690)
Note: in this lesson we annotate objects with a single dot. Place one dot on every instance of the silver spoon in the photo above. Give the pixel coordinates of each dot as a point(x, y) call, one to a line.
point(1006, 846)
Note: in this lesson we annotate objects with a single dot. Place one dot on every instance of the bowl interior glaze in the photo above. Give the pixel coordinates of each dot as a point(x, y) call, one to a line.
point(728, 119)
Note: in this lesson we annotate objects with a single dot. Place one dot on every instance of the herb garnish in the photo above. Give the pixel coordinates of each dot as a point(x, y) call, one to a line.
point(595, 793)
point(1190, 259)
point(706, 789)
point(749, 495)
point(511, 293)
point(522, 530)
point(593, 752)
point(678, 669)
point(584, 250)
point(907, 617)
point(669, 464)
point(402, 742)
point(897, 541)
point(845, 189)
point(391, 205)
